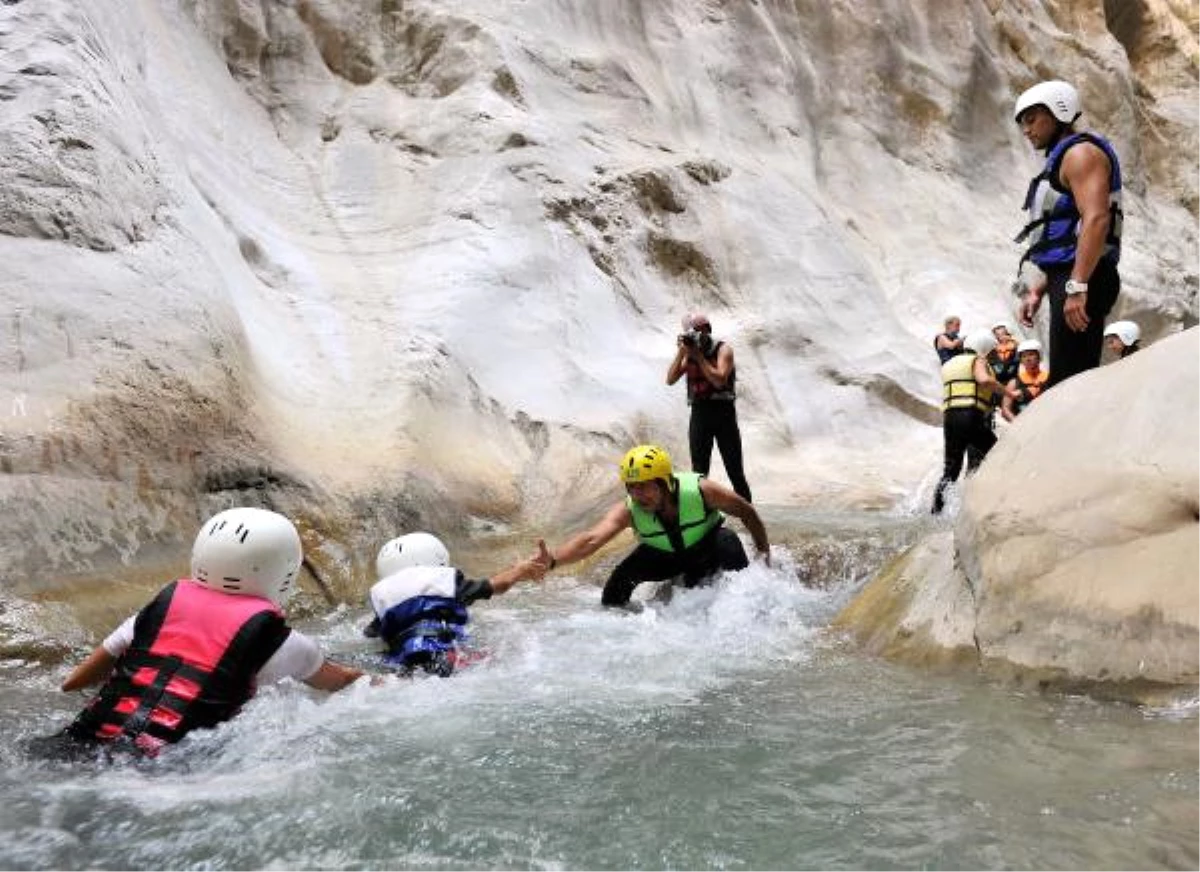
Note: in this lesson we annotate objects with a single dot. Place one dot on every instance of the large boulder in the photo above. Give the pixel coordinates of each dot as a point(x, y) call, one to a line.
point(1074, 562)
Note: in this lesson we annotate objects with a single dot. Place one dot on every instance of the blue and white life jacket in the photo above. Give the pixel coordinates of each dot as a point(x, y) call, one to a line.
point(1054, 215)
point(420, 618)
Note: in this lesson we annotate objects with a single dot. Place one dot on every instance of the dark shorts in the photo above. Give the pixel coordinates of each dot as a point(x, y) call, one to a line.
point(719, 551)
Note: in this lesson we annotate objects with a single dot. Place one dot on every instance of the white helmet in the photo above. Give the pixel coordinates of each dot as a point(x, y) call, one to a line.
point(1126, 331)
point(1059, 97)
point(248, 552)
point(1029, 345)
point(413, 549)
point(982, 342)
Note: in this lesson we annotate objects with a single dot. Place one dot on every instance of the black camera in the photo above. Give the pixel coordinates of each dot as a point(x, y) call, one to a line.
point(691, 339)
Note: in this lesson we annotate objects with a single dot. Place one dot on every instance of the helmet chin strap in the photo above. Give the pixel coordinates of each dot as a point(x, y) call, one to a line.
point(1061, 129)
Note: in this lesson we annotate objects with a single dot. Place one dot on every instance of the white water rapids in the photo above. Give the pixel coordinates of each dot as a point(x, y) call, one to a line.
point(726, 728)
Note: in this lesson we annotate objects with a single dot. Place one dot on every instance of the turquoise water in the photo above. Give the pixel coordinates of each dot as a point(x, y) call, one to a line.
point(725, 729)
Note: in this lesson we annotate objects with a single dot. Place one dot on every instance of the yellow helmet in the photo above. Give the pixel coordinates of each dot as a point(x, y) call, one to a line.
point(645, 463)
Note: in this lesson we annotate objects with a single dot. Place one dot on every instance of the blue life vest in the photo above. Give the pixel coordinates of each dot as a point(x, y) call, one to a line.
point(945, 354)
point(1054, 214)
point(420, 617)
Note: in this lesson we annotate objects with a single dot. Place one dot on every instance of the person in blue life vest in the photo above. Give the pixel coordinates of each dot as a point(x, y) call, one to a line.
point(197, 652)
point(679, 522)
point(949, 343)
point(1123, 338)
point(1074, 231)
point(420, 602)
point(711, 378)
point(969, 386)
point(1029, 382)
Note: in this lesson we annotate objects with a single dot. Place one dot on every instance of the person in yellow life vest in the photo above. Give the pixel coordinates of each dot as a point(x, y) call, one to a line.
point(968, 387)
point(1004, 357)
point(1030, 381)
point(679, 522)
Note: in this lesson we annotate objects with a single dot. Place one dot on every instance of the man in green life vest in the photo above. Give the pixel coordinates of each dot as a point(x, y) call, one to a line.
point(678, 520)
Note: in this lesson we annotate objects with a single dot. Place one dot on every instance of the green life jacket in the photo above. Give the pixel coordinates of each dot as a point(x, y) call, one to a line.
point(695, 520)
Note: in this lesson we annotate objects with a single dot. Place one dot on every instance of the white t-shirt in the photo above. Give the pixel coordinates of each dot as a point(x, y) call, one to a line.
point(299, 656)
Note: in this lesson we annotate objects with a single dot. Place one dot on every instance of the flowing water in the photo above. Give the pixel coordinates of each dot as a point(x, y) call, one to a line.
point(726, 728)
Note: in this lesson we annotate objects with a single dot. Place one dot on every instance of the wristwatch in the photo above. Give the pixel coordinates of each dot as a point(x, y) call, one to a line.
point(1073, 287)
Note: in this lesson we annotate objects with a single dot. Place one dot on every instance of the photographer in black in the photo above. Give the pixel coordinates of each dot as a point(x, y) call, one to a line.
point(711, 374)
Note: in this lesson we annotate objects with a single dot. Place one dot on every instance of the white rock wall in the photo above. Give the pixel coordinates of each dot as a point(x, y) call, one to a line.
point(333, 254)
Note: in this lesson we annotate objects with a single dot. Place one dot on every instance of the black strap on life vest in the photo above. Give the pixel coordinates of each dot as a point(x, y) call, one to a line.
point(674, 532)
point(700, 388)
point(1115, 217)
point(1030, 391)
point(948, 391)
point(221, 691)
point(1049, 174)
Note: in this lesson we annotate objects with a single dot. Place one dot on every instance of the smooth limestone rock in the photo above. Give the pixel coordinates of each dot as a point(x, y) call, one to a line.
point(917, 609)
point(1075, 560)
point(384, 264)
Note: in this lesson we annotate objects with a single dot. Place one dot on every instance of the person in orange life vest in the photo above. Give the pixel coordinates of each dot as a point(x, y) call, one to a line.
point(1123, 338)
point(949, 343)
point(1004, 357)
point(1030, 381)
point(196, 653)
point(711, 376)
point(678, 520)
point(420, 602)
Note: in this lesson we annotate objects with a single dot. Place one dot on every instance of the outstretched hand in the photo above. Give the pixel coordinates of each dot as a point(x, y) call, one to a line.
point(541, 562)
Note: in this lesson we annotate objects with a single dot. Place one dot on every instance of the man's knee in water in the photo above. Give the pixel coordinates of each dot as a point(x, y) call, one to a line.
point(731, 556)
point(703, 579)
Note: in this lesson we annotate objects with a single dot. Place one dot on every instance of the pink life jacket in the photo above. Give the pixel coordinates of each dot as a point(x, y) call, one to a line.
point(192, 663)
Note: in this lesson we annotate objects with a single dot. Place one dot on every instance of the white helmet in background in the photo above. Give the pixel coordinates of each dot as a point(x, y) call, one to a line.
point(413, 549)
point(982, 342)
point(1059, 97)
point(248, 552)
point(1029, 345)
point(1126, 331)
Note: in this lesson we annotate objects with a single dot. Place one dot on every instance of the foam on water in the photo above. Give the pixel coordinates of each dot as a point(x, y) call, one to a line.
point(549, 649)
point(557, 653)
point(721, 728)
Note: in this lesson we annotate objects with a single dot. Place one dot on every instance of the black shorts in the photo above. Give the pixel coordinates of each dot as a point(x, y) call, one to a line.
point(719, 551)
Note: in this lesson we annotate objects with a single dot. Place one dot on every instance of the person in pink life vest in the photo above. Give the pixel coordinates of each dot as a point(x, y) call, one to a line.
point(197, 652)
